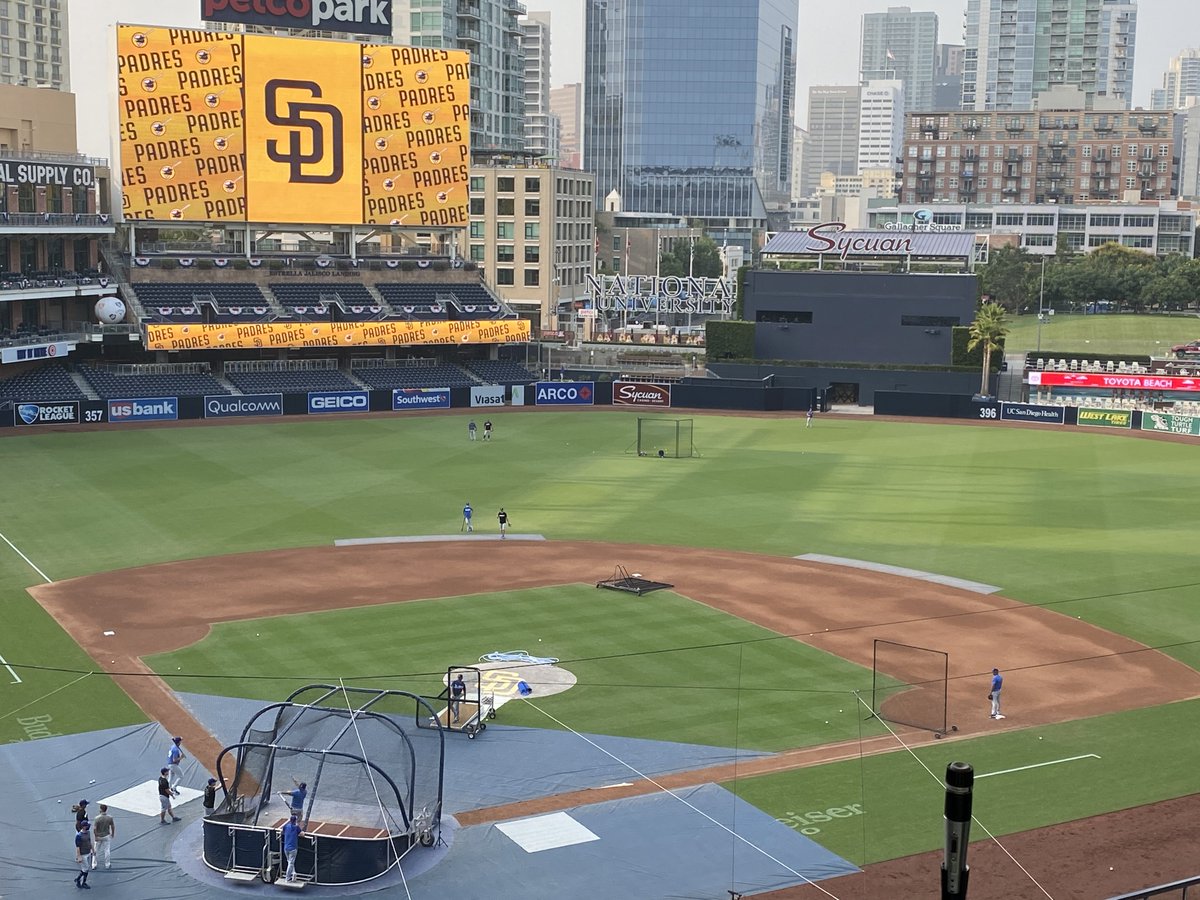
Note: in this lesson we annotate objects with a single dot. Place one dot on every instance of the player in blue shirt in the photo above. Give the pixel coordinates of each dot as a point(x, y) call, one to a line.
point(174, 757)
point(290, 839)
point(458, 691)
point(994, 693)
point(467, 513)
point(295, 798)
point(83, 853)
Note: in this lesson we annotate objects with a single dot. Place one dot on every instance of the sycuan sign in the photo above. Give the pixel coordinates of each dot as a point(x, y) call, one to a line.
point(835, 239)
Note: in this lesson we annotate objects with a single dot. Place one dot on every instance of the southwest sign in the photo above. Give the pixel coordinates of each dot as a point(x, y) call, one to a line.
point(420, 398)
point(1115, 381)
point(348, 16)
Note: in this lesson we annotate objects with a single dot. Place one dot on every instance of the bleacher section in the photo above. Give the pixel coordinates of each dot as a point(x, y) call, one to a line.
point(411, 376)
point(51, 382)
point(316, 301)
point(195, 302)
point(436, 300)
point(297, 382)
point(501, 372)
point(112, 384)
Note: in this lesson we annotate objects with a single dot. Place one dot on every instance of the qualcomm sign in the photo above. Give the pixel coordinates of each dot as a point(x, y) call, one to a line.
point(565, 393)
point(225, 406)
point(144, 409)
point(338, 401)
point(421, 398)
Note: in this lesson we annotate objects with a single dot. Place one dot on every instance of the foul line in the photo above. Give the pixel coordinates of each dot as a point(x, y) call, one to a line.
point(1053, 762)
point(3, 662)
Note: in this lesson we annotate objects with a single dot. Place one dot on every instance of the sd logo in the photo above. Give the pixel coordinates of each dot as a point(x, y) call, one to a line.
point(313, 128)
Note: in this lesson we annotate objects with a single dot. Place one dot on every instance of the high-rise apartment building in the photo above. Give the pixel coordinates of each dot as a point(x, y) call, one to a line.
point(901, 44)
point(947, 77)
point(491, 32)
point(566, 103)
point(33, 44)
point(1016, 49)
point(1045, 156)
point(1180, 81)
point(880, 125)
point(541, 131)
point(832, 146)
point(688, 108)
point(799, 143)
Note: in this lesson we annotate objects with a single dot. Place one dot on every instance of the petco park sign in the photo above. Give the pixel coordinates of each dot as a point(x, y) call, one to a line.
point(350, 16)
point(650, 293)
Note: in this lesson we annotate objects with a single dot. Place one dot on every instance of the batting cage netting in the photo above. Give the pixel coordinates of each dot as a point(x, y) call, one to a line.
point(909, 685)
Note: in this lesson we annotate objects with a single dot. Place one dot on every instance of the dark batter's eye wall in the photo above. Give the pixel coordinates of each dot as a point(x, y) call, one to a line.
point(219, 127)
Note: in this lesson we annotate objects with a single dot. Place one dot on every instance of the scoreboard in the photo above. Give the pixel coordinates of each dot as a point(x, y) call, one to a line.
point(219, 127)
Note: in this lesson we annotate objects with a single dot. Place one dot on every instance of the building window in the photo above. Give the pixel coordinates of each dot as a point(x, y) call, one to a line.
point(477, 183)
point(1131, 184)
point(506, 231)
point(477, 206)
point(533, 253)
point(1039, 240)
point(1008, 219)
point(477, 252)
point(506, 206)
point(1086, 151)
point(505, 185)
point(505, 253)
point(477, 229)
point(533, 277)
point(1106, 221)
point(1041, 219)
point(25, 201)
point(1139, 221)
point(1164, 150)
point(533, 230)
point(533, 184)
point(504, 276)
point(1141, 241)
point(533, 206)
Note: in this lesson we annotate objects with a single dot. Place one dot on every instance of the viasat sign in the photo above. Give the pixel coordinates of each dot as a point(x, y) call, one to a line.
point(220, 127)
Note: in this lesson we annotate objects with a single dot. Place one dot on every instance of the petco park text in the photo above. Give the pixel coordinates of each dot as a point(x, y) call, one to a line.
point(356, 16)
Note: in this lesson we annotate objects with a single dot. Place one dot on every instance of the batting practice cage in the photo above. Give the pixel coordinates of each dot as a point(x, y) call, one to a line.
point(659, 436)
point(909, 685)
point(374, 786)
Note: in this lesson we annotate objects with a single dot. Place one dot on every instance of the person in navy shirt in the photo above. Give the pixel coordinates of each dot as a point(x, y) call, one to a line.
point(502, 518)
point(994, 693)
point(290, 838)
point(458, 690)
point(295, 798)
point(83, 853)
point(467, 513)
point(471, 429)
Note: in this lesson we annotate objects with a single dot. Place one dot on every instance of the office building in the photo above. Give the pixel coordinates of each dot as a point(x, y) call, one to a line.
point(901, 44)
point(1158, 227)
point(832, 145)
point(799, 143)
point(688, 109)
point(541, 131)
point(33, 46)
point(1181, 82)
point(532, 232)
point(1016, 49)
point(491, 32)
point(880, 125)
point(1187, 131)
point(947, 77)
point(1047, 156)
point(566, 103)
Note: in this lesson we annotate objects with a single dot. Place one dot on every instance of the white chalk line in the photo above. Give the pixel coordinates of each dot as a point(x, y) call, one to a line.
point(1053, 762)
point(16, 679)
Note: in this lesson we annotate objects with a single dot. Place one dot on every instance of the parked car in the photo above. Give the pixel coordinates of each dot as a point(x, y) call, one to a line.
point(1190, 350)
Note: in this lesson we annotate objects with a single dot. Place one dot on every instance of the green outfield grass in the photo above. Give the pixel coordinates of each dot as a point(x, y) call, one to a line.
point(1093, 523)
point(648, 667)
point(1149, 335)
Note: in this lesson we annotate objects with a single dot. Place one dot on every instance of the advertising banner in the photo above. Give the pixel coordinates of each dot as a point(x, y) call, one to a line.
point(35, 351)
point(518, 394)
point(1115, 381)
point(144, 409)
point(1030, 412)
point(421, 398)
point(564, 393)
point(338, 401)
point(634, 393)
point(226, 406)
point(218, 126)
point(1105, 418)
point(347, 16)
point(488, 395)
point(1170, 423)
point(333, 334)
point(44, 174)
point(59, 412)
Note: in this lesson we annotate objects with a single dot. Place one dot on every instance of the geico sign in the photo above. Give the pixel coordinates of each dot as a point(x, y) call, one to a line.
point(338, 402)
point(357, 16)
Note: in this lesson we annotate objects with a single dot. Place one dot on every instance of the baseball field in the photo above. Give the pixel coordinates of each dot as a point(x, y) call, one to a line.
point(209, 554)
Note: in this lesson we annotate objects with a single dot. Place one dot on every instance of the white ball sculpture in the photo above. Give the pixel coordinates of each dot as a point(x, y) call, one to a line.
point(110, 310)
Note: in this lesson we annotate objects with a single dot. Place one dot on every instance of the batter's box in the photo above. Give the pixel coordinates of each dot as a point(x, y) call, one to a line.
point(547, 832)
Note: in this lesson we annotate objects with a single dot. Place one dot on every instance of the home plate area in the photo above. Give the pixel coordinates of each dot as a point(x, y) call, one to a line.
point(143, 799)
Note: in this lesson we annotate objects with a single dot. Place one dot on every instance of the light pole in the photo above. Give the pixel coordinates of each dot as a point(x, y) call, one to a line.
point(1041, 305)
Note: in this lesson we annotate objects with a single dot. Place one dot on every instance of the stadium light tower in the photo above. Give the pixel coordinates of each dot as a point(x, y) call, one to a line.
point(1041, 305)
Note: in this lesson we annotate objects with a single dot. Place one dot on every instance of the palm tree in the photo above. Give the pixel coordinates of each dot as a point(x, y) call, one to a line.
point(988, 330)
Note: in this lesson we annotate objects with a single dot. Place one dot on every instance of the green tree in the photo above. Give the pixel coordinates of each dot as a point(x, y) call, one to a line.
point(988, 331)
point(1008, 277)
point(684, 256)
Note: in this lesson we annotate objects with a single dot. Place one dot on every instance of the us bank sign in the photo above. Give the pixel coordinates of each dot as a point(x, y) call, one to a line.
point(648, 293)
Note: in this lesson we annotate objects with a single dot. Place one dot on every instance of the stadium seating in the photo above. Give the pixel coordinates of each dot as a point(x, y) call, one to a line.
point(441, 300)
point(110, 385)
point(291, 382)
point(51, 382)
point(501, 372)
point(386, 377)
point(188, 302)
point(314, 301)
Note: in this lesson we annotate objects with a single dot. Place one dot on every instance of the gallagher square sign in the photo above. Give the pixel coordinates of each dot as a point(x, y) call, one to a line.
point(348, 16)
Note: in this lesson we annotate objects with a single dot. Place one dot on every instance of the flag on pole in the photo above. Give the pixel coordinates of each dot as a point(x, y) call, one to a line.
point(891, 56)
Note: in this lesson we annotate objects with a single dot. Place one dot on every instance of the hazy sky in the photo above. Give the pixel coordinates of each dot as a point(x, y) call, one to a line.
point(827, 45)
